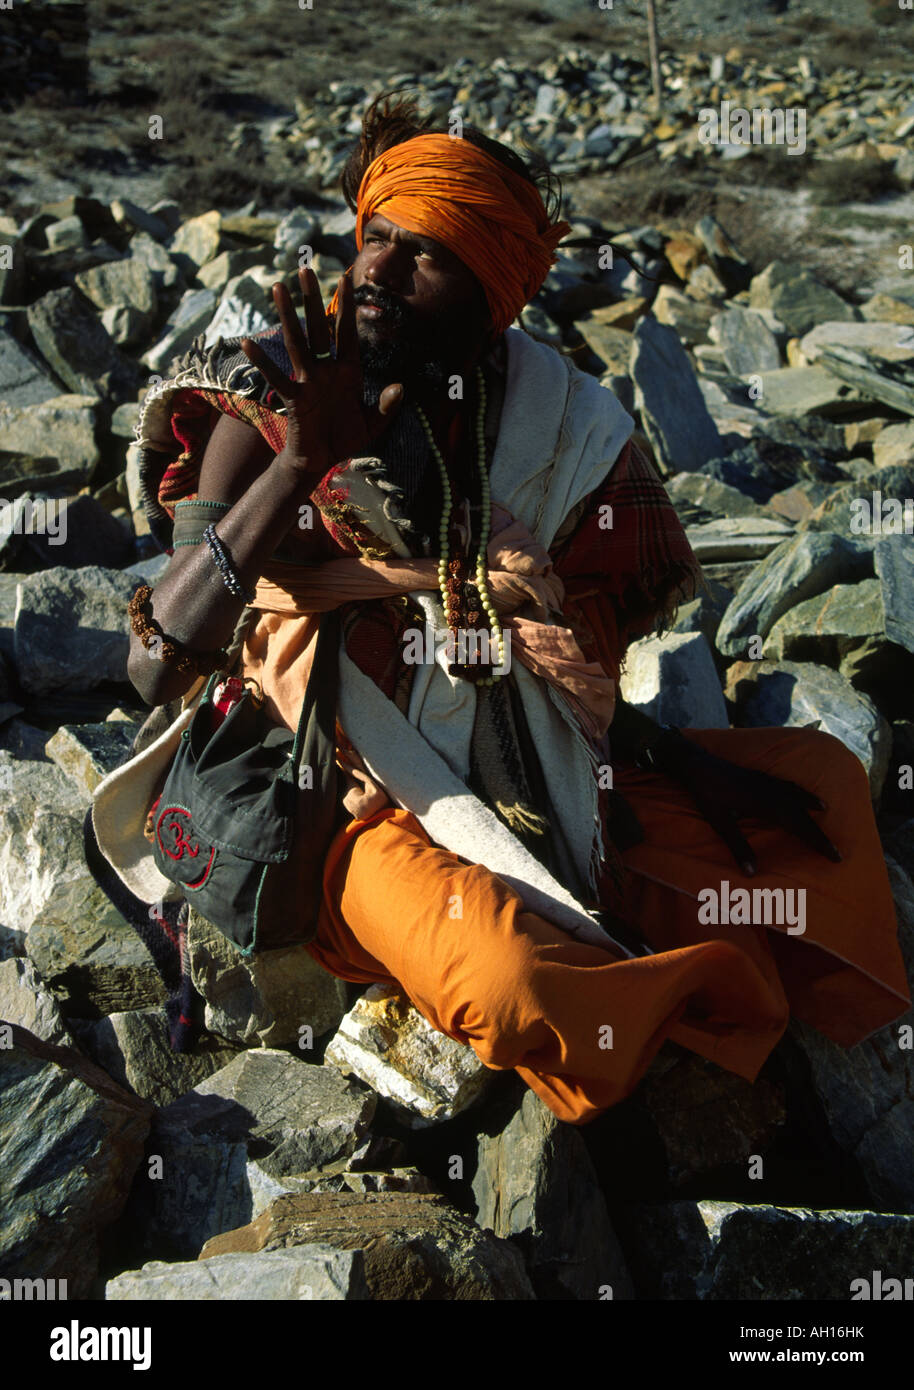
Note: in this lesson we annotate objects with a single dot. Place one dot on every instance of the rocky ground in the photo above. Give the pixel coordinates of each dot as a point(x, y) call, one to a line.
point(760, 328)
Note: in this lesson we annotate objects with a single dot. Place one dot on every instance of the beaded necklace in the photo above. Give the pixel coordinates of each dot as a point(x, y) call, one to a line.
point(451, 571)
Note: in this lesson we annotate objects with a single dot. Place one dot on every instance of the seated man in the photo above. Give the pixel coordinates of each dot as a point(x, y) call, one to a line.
point(529, 860)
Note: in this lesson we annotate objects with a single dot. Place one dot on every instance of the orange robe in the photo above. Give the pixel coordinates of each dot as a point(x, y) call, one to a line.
point(524, 995)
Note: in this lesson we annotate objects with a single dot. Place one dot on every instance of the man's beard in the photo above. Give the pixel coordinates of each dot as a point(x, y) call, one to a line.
point(420, 358)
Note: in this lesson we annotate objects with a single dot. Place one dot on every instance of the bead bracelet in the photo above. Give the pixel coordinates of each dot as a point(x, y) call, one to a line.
point(175, 653)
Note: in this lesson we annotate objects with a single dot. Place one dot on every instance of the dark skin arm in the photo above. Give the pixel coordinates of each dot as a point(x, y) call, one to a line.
point(723, 792)
point(327, 421)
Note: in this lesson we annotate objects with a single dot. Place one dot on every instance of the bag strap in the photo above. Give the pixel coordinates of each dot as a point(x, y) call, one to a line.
point(246, 619)
point(317, 721)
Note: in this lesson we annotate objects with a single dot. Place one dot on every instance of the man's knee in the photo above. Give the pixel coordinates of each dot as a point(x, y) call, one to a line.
point(831, 761)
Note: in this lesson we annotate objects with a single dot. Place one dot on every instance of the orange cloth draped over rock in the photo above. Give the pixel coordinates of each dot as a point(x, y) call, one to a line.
point(495, 221)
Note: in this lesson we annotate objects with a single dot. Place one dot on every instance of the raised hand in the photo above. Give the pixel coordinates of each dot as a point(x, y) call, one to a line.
point(724, 793)
point(327, 420)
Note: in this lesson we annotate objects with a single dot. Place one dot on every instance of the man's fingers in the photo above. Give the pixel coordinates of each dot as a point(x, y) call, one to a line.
point(804, 827)
point(277, 379)
point(315, 317)
point(725, 826)
point(793, 790)
point(347, 340)
point(292, 332)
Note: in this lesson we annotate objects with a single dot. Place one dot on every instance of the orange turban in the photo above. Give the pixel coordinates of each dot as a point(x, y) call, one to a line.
point(448, 189)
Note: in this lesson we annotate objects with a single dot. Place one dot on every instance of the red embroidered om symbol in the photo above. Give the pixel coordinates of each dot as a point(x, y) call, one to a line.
point(170, 822)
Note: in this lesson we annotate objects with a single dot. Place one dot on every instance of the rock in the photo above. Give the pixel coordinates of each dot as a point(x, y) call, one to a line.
point(76, 347)
point(426, 1076)
point(25, 1001)
point(134, 1049)
point(673, 413)
point(891, 342)
point(705, 285)
point(126, 282)
point(217, 273)
point(294, 1115)
point(297, 229)
point(197, 241)
point(800, 501)
point(798, 569)
point(125, 324)
point(240, 313)
point(88, 752)
point(189, 319)
point(65, 235)
point(889, 308)
point(894, 559)
point(128, 214)
point(731, 1251)
point(805, 391)
point(48, 444)
point(684, 253)
point(703, 614)
point(796, 297)
point(613, 346)
point(829, 627)
point(312, 1271)
point(689, 1126)
point(894, 445)
point(866, 1091)
point(71, 628)
point(125, 419)
point(24, 380)
point(66, 1177)
point(535, 1185)
point(12, 263)
point(739, 538)
point(873, 378)
point(165, 272)
point(727, 262)
point(334, 1177)
point(791, 694)
point(859, 433)
point(79, 943)
point(264, 1105)
point(416, 1246)
point(72, 532)
point(747, 342)
point(673, 680)
point(707, 495)
point(687, 316)
point(269, 1000)
point(623, 315)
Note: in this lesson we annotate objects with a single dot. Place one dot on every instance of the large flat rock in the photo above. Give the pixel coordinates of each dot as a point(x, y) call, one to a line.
point(416, 1246)
point(303, 1272)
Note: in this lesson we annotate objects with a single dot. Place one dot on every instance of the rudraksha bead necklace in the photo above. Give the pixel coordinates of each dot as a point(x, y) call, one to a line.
point(451, 572)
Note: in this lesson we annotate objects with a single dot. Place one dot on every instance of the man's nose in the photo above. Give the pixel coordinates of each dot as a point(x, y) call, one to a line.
point(390, 268)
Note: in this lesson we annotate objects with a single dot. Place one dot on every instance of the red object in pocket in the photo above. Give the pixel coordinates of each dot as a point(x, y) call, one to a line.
point(226, 695)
